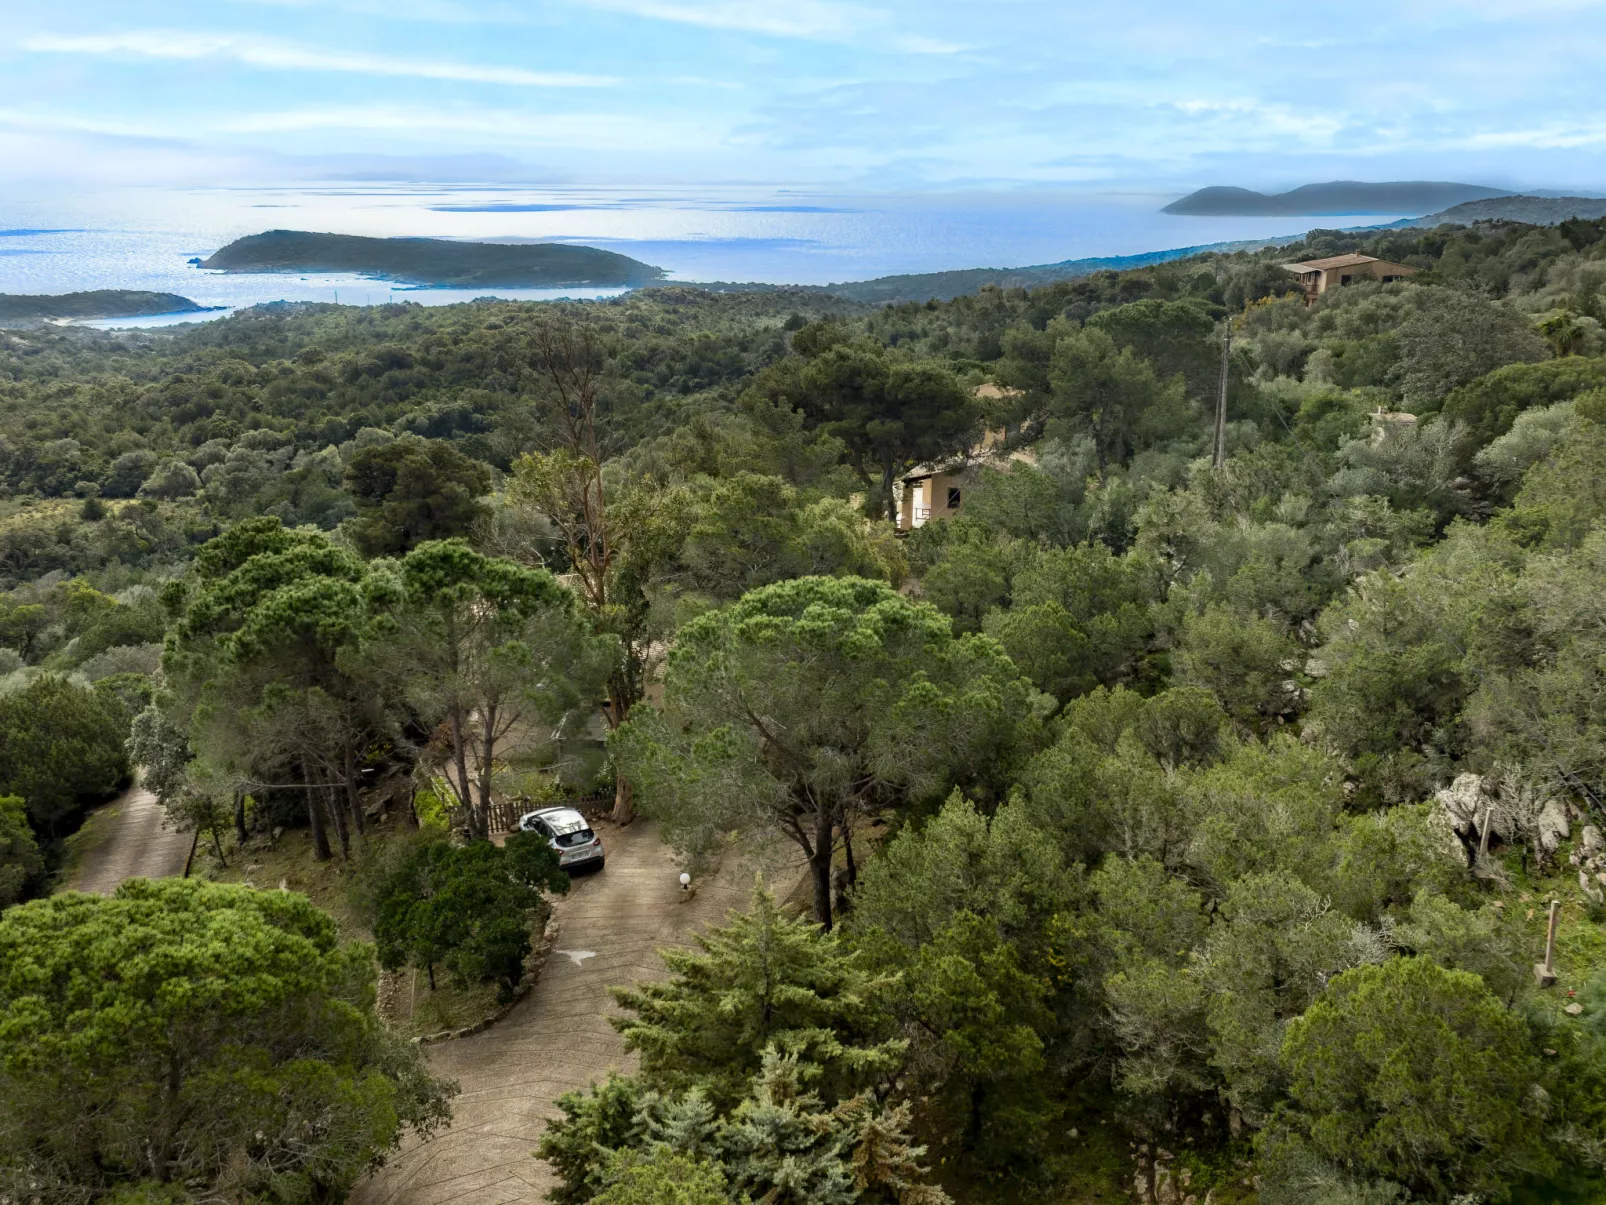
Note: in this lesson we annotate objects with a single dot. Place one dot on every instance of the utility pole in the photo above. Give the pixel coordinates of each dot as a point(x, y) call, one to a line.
point(1219, 454)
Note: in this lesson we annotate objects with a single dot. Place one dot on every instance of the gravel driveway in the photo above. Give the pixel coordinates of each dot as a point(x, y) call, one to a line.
point(558, 1037)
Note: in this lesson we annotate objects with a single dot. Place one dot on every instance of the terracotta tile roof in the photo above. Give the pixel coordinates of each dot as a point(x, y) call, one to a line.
point(1335, 261)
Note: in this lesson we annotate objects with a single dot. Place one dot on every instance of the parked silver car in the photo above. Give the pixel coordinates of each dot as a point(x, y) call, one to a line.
point(578, 847)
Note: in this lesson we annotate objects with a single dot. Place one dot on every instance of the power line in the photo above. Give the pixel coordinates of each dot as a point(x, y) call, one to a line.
point(1219, 453)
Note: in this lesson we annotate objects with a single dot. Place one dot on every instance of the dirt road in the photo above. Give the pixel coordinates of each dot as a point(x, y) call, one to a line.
point(558, 1037)
point(126, 840)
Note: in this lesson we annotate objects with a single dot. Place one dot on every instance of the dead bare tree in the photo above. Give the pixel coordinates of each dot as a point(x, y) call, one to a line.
point(565, 363)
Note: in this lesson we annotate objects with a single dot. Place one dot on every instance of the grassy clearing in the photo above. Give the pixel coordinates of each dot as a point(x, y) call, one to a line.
point(416, 1010)
point(1580, 931)
point(79, 846)
point(289, 864)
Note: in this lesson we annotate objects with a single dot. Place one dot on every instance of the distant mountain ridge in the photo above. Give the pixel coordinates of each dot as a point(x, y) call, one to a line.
point(1334, 197)
point(430, 261)
point(1537, 211)
point(99, 303)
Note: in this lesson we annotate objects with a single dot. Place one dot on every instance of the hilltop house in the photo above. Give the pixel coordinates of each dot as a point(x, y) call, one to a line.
point(937, 491)
point(1318, 275)
point(931, 493)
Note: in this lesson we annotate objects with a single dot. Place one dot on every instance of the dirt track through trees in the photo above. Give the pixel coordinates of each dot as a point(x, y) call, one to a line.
point(127, 841)
point(558, 1037)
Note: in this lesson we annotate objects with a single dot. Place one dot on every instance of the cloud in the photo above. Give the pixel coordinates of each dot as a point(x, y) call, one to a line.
point(440, 11)
point(409, 123)
point(287, 56)
point(816, 19)
point(921, 44)
point(607, 131)
point(892, 93)
point(1254, 119)
point(811, 20)
point(70, 123)
point(1551, 136)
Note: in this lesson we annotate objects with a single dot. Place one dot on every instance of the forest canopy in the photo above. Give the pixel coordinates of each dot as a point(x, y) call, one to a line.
point(1176, 823)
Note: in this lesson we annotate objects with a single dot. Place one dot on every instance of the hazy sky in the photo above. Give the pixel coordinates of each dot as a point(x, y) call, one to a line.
point(887, 94)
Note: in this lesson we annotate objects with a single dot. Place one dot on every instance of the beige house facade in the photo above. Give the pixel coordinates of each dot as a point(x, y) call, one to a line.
point(937, 491)
point(930, 494)
point(1319, 275)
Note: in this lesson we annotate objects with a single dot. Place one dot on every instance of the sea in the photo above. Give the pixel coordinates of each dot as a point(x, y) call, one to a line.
point(147, 237)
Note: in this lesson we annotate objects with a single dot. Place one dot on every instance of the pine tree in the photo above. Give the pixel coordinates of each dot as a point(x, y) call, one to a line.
point(607, 1117)
point(763, 980)
point(662, 1177)
point(780, 1145)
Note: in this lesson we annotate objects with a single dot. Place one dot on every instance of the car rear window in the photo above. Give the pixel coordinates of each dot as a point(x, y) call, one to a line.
point(570, 840)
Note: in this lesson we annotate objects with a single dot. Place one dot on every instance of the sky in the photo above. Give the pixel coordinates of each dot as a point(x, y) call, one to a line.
point(894, 95)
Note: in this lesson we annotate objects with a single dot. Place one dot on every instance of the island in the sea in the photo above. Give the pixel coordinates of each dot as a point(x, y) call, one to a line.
point(433, 261)
point(28, 308)
point(1334, 197)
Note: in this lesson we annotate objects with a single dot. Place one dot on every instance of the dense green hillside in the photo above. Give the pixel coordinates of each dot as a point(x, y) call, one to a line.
point(1169, 823)
point(432, 261)
point(944, 286)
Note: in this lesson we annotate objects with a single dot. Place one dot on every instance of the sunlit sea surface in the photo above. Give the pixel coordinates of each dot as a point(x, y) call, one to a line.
point(143, 238)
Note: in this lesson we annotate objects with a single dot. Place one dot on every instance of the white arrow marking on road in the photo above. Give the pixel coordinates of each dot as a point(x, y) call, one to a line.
point(577, 957)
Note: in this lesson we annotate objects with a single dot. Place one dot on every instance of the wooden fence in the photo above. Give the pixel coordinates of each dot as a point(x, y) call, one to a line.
point(505, 813)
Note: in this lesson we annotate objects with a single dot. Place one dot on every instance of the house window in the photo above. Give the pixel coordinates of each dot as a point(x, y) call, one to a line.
point(953, 497)
point(1343, 280)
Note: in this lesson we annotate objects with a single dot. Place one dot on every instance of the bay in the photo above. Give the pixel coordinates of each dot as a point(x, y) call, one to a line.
point(142, 238)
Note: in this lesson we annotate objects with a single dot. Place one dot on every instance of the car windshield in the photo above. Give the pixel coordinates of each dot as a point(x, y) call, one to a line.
point(570, 840)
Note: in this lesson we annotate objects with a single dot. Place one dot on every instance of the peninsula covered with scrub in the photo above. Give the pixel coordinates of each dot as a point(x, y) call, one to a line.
point(433, 261)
